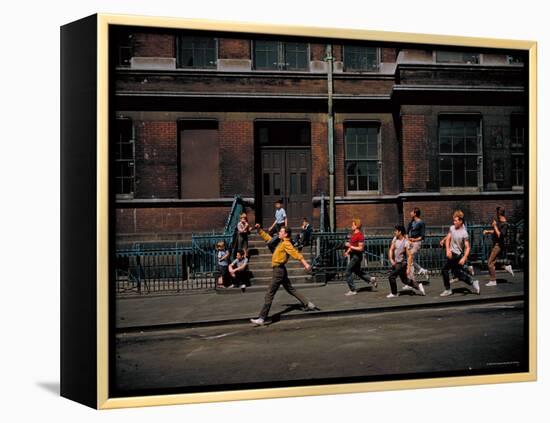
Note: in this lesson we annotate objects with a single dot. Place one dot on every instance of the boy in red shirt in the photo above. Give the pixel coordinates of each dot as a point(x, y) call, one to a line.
point(354, 249)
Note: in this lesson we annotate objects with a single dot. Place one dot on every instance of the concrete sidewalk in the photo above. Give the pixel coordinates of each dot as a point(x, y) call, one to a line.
point(194, 309)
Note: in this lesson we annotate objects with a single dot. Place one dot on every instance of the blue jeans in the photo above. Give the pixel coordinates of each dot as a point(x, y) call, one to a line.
point(354, 267)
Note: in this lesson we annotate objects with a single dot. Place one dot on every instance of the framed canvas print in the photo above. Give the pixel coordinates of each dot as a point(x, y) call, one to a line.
point(254, 211)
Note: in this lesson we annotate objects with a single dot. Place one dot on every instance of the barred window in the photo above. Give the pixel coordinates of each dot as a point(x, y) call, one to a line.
point(124, 158)
point(279, 55)
point(361, 59)
point(456, 57)
point(362, 157)
point(197, 52)
point(459, 151)
point(518, 134)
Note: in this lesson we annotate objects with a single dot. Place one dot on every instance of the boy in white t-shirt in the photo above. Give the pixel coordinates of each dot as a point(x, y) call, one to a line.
point(457, 250)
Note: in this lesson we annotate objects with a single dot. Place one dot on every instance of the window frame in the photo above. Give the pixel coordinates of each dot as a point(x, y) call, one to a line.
point(282, 64)
point(179, 58)
point(435, 54)
point(378, 161)
point(478, 155)
point(378, 59)
point(132, 141)
point(517, 149)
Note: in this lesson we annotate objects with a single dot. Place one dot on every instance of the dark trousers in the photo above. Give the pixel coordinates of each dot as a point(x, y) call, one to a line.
point(458, 271)
point(354, 267)
point(400, 269)
point(280, 277)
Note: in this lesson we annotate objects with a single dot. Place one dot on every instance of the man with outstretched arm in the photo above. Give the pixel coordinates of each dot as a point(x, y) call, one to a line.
point(280, 275)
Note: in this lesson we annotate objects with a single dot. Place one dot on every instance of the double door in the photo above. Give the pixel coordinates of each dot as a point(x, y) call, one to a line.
point(286, 175)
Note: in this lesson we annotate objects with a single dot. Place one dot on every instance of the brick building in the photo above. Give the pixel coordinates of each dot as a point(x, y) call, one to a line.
point(200, 117)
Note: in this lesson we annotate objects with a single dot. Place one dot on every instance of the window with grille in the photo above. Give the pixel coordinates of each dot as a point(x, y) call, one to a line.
point(517, 143)
point(197, 52)
point(362, 157)
point(459, 151)
point(280, 55)
point(124, 153)
point(361, 59)
point(456, 57)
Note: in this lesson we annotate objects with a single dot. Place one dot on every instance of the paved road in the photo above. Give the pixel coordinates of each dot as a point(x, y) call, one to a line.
point(470, 337)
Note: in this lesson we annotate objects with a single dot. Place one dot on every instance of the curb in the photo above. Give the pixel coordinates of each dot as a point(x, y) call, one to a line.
point(316, 314)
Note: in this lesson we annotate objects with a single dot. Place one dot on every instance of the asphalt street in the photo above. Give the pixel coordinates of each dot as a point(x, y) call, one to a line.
point(471, 337)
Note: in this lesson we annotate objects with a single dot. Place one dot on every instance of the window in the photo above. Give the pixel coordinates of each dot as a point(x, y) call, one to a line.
point(459, 151)
point(124, 48)
point(517, 143)
point(362, 157)
point(515, 59)
point(361, 59)
point(456, 57)
point(124, 158)
point(279, 55)
point(197, 52)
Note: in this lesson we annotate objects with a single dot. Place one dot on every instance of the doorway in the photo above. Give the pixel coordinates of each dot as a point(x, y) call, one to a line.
point(285, 169)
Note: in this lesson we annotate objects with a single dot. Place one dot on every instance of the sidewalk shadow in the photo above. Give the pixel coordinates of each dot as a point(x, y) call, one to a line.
point(289, 307)
point(51, 387)
point(463, 291)
point(366, 288)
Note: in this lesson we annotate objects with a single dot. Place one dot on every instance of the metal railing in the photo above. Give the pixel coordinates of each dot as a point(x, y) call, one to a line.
point(329, 262)
point(154, 268)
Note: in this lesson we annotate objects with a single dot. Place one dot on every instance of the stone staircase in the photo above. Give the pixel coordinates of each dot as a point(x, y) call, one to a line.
point(260, 263)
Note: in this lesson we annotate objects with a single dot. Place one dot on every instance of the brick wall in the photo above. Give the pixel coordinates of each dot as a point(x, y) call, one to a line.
point(388, 55)
point(236, 158)
point(154, 45)
point(231, 48)
point(319, 158)
point(414, 148)
point(318, 51)
point(437, 213)
point(173, 220)
point(374, 215)
point(156, 159)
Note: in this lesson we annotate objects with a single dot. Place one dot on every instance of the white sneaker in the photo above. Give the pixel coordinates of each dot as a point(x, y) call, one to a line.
point(470, 270)
point(446, 293)
point(350, 292)
point(424, 272)
point(491, 283)
point(390, 295)
point(509, 269)
point(475, 284)
point(258, 322)
point(453, 280)
point(310, 306)
point(373, 281)
point(421, 289)
point(407, 288)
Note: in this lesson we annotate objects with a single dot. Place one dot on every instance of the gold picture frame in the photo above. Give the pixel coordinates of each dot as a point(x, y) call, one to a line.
point(101, 216)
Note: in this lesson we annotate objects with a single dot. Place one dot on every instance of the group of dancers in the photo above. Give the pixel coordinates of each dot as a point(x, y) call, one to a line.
point(403, 252)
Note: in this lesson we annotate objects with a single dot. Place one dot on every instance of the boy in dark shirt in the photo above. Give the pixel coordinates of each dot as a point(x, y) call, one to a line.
point(499, 233)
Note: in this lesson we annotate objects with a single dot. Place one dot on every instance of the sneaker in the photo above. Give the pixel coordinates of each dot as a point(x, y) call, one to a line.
point(423, 272)
point(231, 286)
point(421, 289)
point(446, 293)
point(475, 284)
point(350, 292)
point(470, 270)
point(407, 288)
point(390, 295)
point(258, 322)
point(453, 280)
point(311, 307)
point(509, 269)
point(491, 283)
point(373, 281)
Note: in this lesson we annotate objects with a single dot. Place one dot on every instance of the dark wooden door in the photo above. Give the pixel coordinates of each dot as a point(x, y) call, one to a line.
point(286, 175)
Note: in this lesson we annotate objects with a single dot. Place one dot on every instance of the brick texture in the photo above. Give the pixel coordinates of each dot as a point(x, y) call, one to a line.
point(156, 159)
point(237, 158)
point(154, 45)
point(231, 48)
point(373, 215)
point(414, 148)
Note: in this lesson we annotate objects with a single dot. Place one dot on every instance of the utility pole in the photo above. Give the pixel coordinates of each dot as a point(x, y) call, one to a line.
point(330, 132)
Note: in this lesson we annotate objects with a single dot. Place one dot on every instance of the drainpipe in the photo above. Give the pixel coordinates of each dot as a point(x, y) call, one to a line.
point(330, 131)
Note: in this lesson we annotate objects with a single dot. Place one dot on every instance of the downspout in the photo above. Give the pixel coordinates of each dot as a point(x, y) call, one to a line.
point(330, 132)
